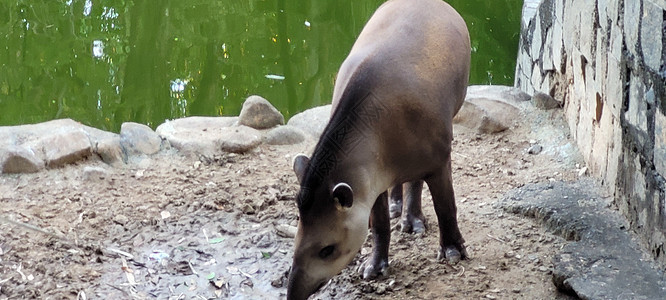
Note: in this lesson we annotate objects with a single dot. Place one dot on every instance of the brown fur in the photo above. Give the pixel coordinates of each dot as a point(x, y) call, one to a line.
point(394, 100)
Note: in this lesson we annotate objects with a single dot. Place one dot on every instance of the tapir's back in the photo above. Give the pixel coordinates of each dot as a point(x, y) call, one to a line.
point(413, 57)
point(412, 46)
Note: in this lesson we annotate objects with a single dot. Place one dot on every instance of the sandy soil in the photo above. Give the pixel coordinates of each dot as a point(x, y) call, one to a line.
point(171, 227)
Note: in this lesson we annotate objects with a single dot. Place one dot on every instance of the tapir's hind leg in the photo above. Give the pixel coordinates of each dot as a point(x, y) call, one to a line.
point(377, 263)
point(395, 201)
point(413, 220)
point(451, 241)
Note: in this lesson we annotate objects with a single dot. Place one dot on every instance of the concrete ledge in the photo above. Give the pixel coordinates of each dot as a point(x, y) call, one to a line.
point(603, 261)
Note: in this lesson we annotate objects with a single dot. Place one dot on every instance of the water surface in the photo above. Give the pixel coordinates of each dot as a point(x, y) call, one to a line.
point(105, 62)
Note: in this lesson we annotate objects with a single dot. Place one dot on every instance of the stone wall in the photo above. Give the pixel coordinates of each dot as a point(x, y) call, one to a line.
point(604, 59)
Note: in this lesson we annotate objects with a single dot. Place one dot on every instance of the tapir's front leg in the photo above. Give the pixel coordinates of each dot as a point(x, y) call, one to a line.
point(377, 263)
point(450, 239)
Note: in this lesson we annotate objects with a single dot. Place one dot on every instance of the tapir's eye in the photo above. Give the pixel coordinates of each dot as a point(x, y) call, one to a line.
point(326, 251)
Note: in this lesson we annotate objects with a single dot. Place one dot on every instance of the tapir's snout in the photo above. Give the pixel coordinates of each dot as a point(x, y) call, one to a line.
point(300, 285)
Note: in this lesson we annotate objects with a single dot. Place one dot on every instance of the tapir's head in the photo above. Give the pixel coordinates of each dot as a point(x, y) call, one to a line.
point(331, 230)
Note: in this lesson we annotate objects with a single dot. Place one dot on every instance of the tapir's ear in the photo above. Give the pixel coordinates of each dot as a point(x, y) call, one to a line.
point(300, 164)
point(343, 195)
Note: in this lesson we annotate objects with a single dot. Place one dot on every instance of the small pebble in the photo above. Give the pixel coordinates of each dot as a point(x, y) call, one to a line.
point(121, 219)
point(534, 149)
point(381, 289)
point(248, 209)
point(286, 231)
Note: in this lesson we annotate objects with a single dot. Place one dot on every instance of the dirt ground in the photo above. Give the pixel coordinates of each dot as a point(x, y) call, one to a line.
point(171, 227)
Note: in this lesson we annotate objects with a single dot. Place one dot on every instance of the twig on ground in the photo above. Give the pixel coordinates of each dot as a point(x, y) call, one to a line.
point(128, 273)
point(40, 230)
point(118, 288)
point(120, 252)
point(205, 234)
point(192, 268)
point(496, 238)
point(20, 266)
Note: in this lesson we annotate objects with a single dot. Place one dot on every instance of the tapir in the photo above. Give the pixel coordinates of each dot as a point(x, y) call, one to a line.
point(393, 103)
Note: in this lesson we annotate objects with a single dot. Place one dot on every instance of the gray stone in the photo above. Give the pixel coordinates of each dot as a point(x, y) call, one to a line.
point(535, 46)
point(660, 143)
point(636, 115)
point(209, 135)
point(139, 139)
point(603, 261)
point(121, 219)
point(523, 69)
point(529, 11)
point(534, 149)
point(659, 3)
point(16, 159)
point(312, 121)
point(203, 132)
point(65, 147)
point(284, 135)
point(652, 35)
point(613, 11)
point(588, 35)
point(110, 151)
point(500, 93)
point(239, 139)
point(544, 101)
point(547, 57)
point(258, 113)
point(94, 173)
point(200, 123)
point(602, 9)
point(571, 25)
point(537, 78)
point(632, 17)
point(486, 115)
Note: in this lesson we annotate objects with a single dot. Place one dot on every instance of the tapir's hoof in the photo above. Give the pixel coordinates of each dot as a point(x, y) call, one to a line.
point(452, 254)
point(395, 210)
point(412, 225)
point(371, 270)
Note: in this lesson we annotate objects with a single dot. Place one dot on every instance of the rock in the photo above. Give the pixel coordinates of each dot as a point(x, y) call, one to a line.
point(18, 159)
point(278, 282)
point(312, 121)
point(59, 142)
point(248, 209)
point(239, 139)
point(544, 101)
point(94, 173)
point(209, 135)
point(258, 113)
point(194, 123)
point(486, 115)
point(284, 135)
point(65, 148)
point(121, 219)
point(603, 260)
point(534, 149)
point(110, 150)
point(507, 94)
point(286, 231)
point(138, 139)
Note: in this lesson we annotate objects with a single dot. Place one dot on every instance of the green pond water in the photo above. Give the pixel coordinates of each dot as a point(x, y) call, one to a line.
point(105, 62)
